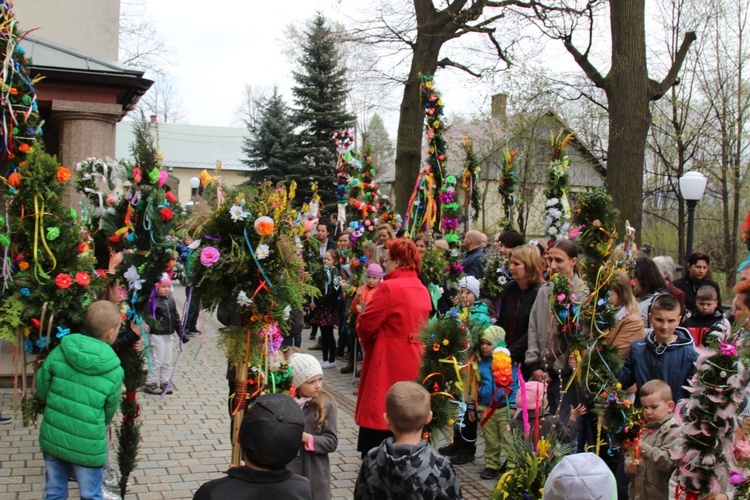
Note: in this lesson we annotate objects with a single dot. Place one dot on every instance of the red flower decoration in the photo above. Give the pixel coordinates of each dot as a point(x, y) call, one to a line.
point(114, 238)
point(63, 281)
point(82, 247)
point(83, 279)
point(35, 323)
point(170, 197)
point(102, 273)
point(166, 214)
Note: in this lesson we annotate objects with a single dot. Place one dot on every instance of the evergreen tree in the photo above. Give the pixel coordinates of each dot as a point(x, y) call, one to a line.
point(320, 96)
point(270, 147)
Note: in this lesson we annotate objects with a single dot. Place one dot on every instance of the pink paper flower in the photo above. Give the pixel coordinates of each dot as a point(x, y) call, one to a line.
point(561, 297)
point(209, 256)
point(163, 178)
point(728, 348)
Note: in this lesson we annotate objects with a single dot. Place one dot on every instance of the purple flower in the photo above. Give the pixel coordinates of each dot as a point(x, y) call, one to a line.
point(736, 477)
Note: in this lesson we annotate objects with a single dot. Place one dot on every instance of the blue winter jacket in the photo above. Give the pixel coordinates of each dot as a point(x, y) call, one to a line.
point(673, 363)
point(487, 387)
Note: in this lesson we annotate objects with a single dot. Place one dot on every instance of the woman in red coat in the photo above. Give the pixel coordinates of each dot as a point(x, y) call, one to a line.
point(388, 330)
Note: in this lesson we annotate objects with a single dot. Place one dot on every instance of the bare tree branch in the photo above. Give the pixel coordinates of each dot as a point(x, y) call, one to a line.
point(445, 62)
point(660, 88)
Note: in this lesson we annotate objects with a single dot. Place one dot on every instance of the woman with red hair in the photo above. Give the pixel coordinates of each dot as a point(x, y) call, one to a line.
point(388, 330)
point(741, 304)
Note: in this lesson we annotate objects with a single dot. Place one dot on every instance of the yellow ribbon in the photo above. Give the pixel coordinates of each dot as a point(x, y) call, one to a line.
point(39, 233)
point(458, 384)
point(124, 230)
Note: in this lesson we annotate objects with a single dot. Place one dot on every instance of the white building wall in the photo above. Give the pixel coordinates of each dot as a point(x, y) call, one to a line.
point(89, 25)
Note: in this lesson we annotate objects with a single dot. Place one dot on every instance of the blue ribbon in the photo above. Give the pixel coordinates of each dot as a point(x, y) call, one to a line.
point(260, 268)
point(61, 332)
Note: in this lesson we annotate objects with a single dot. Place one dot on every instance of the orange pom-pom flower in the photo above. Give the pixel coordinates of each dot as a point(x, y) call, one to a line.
point(14, 179)
point(502, 367)
point(264, 226)
point(63, 174)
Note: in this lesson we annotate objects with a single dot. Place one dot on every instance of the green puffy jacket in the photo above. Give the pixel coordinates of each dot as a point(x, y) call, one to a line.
point(81, 382)
point(479, 314)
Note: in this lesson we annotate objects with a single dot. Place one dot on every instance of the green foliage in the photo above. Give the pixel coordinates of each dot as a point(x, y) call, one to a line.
point(320, 95)
point(52, 276)
point(508, 189)
point(496, 275)
point(471, 177)
point(447, 342)
point(556, 190)
point(532, 466)
point(434, 265)
point(270, 147)
point(129, 441)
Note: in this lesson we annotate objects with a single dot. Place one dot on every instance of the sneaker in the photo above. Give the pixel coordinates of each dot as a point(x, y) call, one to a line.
point(152, 389)
point(331, 364)
point(489, 473)
point(111, 479)
point(164, 386)
point(109, 493)
point(449, 450)
point(324, 364)
point(5, 419)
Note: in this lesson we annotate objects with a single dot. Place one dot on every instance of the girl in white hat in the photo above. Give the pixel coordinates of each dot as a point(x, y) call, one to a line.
point(320, 437)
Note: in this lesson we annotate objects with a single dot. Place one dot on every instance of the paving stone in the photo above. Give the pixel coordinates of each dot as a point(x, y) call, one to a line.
point(186, 435)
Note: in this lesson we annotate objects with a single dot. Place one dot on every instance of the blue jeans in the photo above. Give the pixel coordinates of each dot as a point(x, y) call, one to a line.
point(90, 479)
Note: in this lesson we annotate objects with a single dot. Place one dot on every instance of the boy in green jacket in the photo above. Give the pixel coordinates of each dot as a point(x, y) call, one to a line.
point(80, 382)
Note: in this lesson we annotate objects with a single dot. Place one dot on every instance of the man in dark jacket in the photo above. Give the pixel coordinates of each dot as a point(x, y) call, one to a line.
point(270, 435)
point(473, 261)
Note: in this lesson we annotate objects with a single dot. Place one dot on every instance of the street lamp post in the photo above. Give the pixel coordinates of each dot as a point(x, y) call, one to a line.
point(692, 187)
point(195, 184)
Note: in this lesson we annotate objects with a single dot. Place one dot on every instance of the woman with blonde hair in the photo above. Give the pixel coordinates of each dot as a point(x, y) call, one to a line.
point(517, 299)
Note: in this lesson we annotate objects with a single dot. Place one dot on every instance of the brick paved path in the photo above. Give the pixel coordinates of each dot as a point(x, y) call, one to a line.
point(186, 435)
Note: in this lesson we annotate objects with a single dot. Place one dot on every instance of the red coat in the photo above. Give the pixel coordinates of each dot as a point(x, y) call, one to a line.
point(389, 333)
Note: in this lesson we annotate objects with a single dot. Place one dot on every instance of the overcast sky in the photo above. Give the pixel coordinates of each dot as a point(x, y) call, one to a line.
point(219, 46)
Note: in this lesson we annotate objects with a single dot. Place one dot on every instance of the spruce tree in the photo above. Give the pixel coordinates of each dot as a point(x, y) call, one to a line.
point(270, 146)
point(320, 96)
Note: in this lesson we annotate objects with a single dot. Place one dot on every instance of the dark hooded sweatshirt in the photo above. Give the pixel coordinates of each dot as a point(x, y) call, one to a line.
point(402, 471)
point(673, 363)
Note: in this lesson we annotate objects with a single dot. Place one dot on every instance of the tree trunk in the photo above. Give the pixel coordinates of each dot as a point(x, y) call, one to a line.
point(411, 121)
point(627, 89)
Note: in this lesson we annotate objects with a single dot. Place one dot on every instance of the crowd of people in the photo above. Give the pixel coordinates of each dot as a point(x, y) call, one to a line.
point(286, 440)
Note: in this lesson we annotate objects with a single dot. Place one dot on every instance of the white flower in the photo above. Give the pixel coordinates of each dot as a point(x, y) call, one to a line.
point(552, 230)
point(134, 279)
point(287, 312)
point(555, 212)
point(552, 202)
point(262, 252)
point(501, 280)
point(454, 252)
point(237, 213)
point(243, 299)
point(548, 221)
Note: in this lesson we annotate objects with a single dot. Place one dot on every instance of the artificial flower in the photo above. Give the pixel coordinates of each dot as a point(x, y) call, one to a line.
point(63, 174)
point(166, 214)
point(262, 252)
point(28, 346)
point(63, 281)
point(115, 238)
point(25, 292)
point(83, 279)
point(42, 342)
point(53, 232)
point(728, 348)
point(14, 179)
point(134, 279)
point(243, 299)
point(36, 323)
point(209, 256)
point(23, 265)
point(287, 312)
point(154, 175)
point(237, 213)
point(82, 247)
point(163, 178)
point(264, 226)
point(206, 178)
point(170, 197)
point(61, 332)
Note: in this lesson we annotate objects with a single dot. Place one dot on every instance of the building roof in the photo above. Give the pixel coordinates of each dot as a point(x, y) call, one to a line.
point(189, 146)
point(60, 64)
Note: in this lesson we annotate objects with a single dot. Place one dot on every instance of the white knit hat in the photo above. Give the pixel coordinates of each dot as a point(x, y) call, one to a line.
point(304, 367)
point(470, 283)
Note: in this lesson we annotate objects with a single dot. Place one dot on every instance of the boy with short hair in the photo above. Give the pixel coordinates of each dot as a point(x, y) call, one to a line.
point(649, 474)
point(80, 382)
point(666, 353)
point(706, 315)
point(405, 466)
point(270, 435)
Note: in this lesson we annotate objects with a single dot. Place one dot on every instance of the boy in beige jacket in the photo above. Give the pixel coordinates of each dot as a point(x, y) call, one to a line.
point(650, 468)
